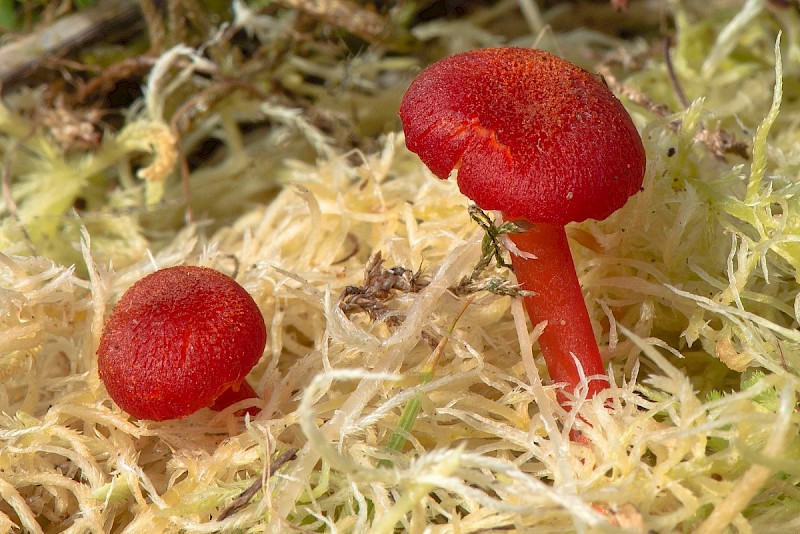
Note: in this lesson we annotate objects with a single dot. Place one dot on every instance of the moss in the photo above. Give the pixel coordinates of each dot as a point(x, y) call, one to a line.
point(692, 288)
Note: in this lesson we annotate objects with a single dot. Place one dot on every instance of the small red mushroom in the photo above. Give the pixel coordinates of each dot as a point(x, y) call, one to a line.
point(181, 339)
point(543, 141)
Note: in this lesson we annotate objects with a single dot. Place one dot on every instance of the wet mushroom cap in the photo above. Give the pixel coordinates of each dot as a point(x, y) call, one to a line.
point(176, 340)
point(531, 134)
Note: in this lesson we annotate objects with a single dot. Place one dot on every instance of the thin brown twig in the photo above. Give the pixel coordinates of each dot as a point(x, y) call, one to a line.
point(673, 79)
point(65, 35)
point(5, 185)
point(71, 64)
point(106, 80)
point(195, 15)
point(245, 496)
point(356, 19)
point(634, 95)
point(719, 142)
point(354, 248)
point(155, 24)
point(218, 90)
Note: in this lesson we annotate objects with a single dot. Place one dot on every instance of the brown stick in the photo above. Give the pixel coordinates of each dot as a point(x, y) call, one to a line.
point(65, 35)
point(343, 14)
point(245, 496)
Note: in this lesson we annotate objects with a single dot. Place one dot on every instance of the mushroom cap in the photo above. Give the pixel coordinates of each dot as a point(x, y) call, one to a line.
point(176, 340)
point(531, 135)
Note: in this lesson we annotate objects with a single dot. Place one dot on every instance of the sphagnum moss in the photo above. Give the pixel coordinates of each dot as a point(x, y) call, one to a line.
point(695, 282)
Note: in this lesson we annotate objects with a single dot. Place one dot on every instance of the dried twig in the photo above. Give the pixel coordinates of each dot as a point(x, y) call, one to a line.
point(633, 94)
point(105, 81)
point(65, 35)
point(245, 496)
point(719, 142)
point(201, 101)
point(673, 79)
point(343, 14)
point(155, 24)
point(381, 285)
point(5, 186)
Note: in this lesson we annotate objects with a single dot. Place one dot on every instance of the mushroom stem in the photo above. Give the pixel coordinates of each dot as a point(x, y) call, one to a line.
point(235, 394)
point(558, 300)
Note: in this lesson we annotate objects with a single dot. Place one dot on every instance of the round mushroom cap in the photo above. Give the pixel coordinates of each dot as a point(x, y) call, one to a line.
point(530, 134)
point(176, 340)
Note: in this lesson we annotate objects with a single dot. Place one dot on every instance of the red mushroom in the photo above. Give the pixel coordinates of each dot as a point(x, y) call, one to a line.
point(543, 141)
point(181, 339)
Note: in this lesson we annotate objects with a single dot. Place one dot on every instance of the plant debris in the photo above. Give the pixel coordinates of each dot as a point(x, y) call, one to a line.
point(380, 285)
point(257, 485)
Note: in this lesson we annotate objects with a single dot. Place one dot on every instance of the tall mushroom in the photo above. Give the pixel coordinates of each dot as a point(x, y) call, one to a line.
point(541, 140)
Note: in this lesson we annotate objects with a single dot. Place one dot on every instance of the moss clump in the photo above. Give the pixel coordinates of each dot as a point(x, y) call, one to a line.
point(296, 180)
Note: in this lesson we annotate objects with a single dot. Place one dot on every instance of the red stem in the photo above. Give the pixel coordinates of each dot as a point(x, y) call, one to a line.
point(235, 394)
point(559, 301)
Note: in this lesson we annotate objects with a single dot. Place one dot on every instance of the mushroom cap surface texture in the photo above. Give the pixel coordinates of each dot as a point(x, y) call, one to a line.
point(531, 134)
point(176, 340)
